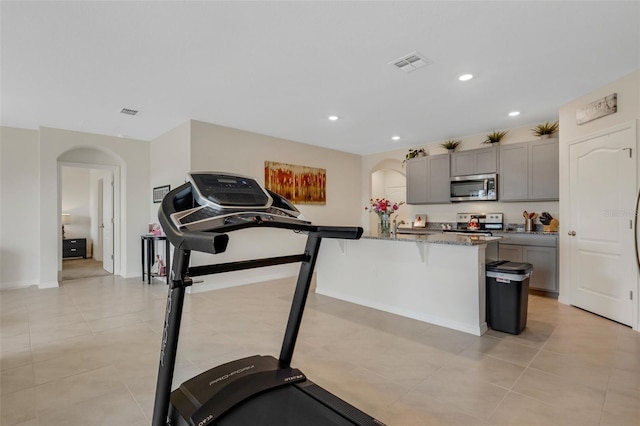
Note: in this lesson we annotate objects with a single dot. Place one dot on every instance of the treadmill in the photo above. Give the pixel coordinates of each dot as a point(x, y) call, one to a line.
point(260, 389)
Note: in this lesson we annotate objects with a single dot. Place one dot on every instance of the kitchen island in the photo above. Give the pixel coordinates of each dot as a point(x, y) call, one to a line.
point(437, 278)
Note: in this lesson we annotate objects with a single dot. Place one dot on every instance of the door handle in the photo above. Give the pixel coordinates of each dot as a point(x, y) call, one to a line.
point(572, 233)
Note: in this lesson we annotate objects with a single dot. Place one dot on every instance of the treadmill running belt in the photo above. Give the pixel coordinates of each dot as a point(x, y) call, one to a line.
point(284, 406)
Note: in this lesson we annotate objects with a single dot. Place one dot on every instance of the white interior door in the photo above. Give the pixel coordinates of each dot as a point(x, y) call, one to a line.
point(97, 247)
point(107, 224)
point(602, 198)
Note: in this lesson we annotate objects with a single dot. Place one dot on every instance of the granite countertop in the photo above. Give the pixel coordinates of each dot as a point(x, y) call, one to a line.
point(436, 238)
point(435, 230)
point(515, 231)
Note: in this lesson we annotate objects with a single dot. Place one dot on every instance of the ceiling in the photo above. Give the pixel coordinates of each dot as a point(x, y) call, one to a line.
point(281, 68)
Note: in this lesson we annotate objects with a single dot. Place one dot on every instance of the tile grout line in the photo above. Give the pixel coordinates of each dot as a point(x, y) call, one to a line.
point(519, 377)
point(137, 403)
point(606, 391)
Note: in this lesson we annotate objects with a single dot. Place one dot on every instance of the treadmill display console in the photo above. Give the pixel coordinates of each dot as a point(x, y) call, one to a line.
point(226, 201)
point(226, 191)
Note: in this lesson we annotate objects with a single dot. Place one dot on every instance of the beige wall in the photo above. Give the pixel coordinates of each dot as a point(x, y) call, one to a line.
point(628, 90)
point(133, 156)
point(20, 207)
point(170, 161)
point(223, 149)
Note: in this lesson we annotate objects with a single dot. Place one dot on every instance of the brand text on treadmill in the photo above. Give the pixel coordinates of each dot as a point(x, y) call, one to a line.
point(226, 376)
point(206, 420)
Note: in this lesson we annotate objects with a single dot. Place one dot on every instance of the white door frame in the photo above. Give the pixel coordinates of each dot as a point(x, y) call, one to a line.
point(117, 207)
point(565, 244)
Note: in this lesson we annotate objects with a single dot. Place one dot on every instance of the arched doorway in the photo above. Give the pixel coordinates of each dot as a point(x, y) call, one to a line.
point(89, 198)
point(388, 180)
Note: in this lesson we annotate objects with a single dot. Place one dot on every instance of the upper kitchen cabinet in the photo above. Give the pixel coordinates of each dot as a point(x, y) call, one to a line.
point(428, 180)
point(417, 180)
point(474, 162)
point(529, 171)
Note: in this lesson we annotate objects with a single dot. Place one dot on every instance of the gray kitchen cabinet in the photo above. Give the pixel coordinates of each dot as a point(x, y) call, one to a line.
point(438, 179)
point(545, 267)
point(417, 181)
point(539, 250)
point(513, 179)
point(529, 171)
point(544, 170)
point(474, 162)
point(428, 179)
point(512, 253)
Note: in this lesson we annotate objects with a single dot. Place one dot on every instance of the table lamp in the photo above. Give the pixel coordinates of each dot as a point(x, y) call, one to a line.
point(66, 219)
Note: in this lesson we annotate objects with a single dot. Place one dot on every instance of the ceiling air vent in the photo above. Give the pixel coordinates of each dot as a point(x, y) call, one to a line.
point(411, 62)
point(128, 111)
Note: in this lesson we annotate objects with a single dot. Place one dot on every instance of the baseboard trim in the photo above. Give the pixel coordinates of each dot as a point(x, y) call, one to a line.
point(478, 330)
point(11, 285)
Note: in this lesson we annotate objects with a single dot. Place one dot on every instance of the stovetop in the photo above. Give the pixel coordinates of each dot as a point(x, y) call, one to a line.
point(486, 222)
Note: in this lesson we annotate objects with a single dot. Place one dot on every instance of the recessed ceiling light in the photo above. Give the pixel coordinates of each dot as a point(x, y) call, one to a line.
point(333, 117)
point(395, 138)
point(465, 77)
point(514, 113)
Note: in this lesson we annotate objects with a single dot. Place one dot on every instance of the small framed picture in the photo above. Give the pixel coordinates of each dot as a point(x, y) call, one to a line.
point(421, 221)
point(159, 192)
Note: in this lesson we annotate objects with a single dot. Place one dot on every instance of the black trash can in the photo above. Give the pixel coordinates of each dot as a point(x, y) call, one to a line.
point(507, 295)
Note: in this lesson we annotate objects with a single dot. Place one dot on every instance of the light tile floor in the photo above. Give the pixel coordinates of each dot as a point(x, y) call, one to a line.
point(87, 354)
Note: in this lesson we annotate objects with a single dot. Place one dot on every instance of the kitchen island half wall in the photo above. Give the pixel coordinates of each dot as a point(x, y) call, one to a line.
point(437, 278)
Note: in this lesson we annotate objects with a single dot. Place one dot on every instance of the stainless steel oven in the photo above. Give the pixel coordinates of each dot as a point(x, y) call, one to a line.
point(474, 188)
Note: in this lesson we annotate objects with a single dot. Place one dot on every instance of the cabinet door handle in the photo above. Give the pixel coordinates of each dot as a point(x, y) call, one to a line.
point(73, 249)
point(572, 233)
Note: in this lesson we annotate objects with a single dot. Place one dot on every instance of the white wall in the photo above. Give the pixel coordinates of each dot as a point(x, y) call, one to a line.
point(628, 90)
point(446, 212)
point(19, 209)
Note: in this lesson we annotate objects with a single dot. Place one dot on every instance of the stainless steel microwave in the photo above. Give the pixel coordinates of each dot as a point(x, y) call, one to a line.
point(474, 188)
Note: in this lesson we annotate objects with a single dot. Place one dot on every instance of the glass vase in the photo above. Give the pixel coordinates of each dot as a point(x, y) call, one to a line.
point(384, 226)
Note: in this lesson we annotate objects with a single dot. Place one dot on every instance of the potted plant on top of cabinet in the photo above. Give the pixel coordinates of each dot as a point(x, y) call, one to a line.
point(495, 137)
point(545, 130)
point(413, 153)
point(450, 145)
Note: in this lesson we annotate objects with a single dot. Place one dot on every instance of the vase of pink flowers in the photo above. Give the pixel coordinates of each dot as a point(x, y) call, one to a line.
point(384, 209)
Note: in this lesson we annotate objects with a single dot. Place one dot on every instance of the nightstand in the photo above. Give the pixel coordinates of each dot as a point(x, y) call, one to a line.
point(74, 247)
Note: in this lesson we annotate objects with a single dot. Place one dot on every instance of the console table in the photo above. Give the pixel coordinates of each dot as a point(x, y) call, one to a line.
point(148, 249)
point(74, 247)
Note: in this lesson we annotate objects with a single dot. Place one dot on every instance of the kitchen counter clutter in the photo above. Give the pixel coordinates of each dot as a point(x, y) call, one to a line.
point(437, 238)
point(436, 278)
